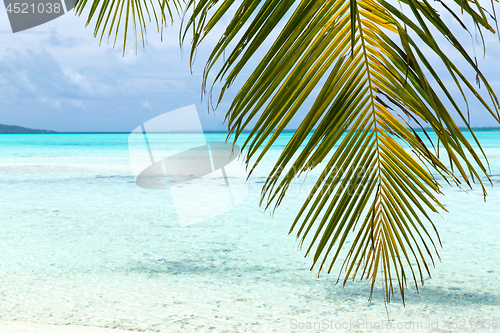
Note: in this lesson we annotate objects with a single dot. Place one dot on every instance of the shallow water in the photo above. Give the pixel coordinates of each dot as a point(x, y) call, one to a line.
point(82, 244)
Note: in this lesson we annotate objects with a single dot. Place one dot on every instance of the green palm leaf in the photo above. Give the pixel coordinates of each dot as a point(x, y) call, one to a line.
point(108, 15)
point(366, 58)
point(363, 64)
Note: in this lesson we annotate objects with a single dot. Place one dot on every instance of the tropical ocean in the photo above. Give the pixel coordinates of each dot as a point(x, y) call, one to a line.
point(81, 244)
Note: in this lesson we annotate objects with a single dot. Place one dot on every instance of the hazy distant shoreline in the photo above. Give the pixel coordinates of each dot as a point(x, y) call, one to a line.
point(11, 129)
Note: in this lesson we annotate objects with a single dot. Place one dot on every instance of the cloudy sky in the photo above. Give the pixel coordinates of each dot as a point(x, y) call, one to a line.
point(56, 76)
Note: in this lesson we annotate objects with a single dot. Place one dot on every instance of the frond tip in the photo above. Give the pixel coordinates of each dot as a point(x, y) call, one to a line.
point(108, 15)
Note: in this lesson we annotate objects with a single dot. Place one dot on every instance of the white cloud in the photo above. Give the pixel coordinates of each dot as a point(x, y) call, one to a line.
point(145, 105)
point(61, 61)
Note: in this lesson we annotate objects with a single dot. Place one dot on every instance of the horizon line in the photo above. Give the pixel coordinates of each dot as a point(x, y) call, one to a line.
point(482, 128)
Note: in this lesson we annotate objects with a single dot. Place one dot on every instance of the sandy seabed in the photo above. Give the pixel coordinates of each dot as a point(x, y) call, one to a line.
point(83, 250)
point(19, 327)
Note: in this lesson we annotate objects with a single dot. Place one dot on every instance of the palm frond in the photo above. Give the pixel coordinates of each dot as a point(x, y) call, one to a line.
point(113, 15)
point(366, 59)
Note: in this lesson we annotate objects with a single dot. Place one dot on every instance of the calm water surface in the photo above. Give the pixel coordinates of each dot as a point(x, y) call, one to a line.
point(81, 244)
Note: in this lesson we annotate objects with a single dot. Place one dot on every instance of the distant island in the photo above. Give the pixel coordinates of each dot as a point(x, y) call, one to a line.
point(19, 129)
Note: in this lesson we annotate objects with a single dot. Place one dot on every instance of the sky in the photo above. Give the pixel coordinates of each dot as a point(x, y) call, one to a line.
point(56, 76)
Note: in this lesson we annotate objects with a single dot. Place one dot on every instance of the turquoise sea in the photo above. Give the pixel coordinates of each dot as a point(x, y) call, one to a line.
point(81, 244)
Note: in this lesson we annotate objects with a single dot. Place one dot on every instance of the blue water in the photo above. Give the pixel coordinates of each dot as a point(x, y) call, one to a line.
point(81, 244)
